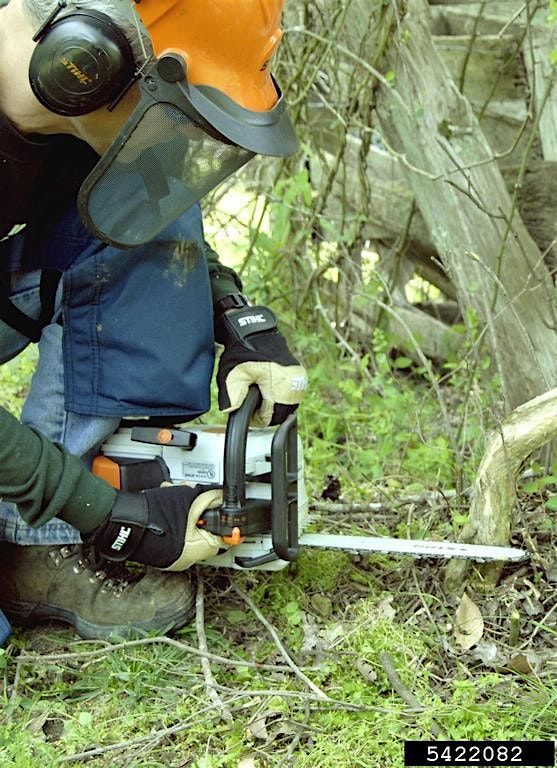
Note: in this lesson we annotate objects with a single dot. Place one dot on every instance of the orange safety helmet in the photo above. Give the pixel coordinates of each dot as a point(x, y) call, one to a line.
point(208, 104)
point(227, 44)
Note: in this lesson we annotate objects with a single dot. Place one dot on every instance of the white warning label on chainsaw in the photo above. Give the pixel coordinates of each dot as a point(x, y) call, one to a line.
point(201, 472)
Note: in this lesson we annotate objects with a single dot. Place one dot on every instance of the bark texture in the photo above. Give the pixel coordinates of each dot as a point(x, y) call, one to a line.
point(527, 429)
point(492, 260)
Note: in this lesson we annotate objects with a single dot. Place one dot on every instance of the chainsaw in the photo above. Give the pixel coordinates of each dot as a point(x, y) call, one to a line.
point(265, 510)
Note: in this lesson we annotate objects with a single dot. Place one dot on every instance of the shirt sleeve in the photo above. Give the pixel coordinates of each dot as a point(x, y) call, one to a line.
point(44, 480)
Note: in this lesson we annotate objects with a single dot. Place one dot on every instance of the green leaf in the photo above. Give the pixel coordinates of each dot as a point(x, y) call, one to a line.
point(85, 718)
point(402, 362)
point(532, 486)
point(551, 503)
point(293, 612)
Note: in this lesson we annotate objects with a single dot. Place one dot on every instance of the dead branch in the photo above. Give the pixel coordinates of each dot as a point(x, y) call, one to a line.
point(528, 428)
point(406, 695)
point(37, 658)
point(204, 661)
point(283, 652)
point(357, 508)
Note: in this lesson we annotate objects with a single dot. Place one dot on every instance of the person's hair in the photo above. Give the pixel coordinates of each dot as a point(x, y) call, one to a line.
point(40, 10)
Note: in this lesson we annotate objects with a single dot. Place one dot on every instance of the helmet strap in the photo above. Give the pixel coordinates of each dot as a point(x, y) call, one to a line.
point(46, 24)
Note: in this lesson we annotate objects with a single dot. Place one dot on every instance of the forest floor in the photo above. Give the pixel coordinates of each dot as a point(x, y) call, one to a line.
point(335, 661)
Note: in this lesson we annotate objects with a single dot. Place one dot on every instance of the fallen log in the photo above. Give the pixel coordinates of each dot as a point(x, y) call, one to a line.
point(528, 428)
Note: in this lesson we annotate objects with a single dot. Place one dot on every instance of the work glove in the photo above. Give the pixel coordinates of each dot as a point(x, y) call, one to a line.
point(255, 352)
point(158, 527)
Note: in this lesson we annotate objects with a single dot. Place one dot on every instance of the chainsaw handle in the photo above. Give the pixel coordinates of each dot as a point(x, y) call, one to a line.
point(284, 480)
point(234, 486)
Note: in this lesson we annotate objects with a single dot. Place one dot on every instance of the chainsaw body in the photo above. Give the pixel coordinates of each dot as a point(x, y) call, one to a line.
point(265, 505)
point(261, 470)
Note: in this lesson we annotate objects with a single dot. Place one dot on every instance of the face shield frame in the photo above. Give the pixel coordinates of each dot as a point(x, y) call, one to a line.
point(141, 184)
point(231, 135)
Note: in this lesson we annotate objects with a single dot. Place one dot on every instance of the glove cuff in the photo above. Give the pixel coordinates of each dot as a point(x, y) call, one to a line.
point(120, 536)
point(230, 301)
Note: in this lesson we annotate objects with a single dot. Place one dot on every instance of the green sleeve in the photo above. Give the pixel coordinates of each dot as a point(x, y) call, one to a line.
point(224, 280)
point(46, 481)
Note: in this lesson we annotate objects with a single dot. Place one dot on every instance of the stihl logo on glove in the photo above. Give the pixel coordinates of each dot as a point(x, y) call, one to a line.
point(120, 540)
point(251, 320)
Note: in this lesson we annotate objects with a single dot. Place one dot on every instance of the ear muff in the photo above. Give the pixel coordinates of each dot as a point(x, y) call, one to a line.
point(81, 62)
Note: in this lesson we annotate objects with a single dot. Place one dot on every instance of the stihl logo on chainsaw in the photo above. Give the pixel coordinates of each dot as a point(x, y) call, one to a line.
point(120, 540)
point(251, 320)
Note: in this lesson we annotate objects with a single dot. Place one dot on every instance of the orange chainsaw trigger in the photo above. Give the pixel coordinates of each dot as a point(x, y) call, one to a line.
point(234, 538)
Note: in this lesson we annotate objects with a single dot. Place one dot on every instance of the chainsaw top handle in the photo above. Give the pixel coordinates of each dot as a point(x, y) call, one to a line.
point(240, 516)
point(237, 428)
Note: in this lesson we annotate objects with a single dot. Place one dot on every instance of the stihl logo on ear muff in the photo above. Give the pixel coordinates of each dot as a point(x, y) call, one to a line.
point(76, 71)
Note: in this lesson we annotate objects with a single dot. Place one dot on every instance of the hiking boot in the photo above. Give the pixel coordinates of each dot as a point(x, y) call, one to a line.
point(100, 599)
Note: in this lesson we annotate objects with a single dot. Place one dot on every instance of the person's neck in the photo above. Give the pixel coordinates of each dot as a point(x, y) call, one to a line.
point(18, 102)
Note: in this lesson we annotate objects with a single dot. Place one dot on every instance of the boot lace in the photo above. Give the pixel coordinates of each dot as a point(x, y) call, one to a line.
point(113, 577)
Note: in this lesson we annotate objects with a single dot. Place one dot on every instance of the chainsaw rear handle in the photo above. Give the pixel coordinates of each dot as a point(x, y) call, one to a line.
point(239, 516)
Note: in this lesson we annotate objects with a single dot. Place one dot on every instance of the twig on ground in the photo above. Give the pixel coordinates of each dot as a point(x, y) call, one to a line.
point(283, 652)
point(293, 746)
point(539, 626)
point(347, 507)
point(202, 641)
point(151, 739)
point(423, 601)
point(46, 658)
point(406, 695)
point(304, 696)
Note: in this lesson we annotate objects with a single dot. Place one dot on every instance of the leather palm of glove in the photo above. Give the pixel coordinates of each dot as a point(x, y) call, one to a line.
point(158, 527)
point(255, 352)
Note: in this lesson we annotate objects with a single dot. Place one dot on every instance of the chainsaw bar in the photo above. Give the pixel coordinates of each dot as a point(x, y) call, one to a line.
point(412, 547)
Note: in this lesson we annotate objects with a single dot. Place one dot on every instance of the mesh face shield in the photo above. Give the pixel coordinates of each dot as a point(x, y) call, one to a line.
point(163, 162)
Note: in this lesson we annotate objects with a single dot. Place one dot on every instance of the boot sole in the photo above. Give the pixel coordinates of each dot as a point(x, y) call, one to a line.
point(27, 615)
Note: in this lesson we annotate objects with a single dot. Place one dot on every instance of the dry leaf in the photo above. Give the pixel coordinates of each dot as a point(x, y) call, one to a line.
point(258, 729)
point(469, 625)
point(247, 762)
point(311, 632)
point(366, 671)
point(35, 725)
point(524, 664)
point(487, 652)
point(384, 608)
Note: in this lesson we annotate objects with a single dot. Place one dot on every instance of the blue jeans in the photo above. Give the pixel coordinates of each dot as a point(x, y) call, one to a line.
point(44, 409)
